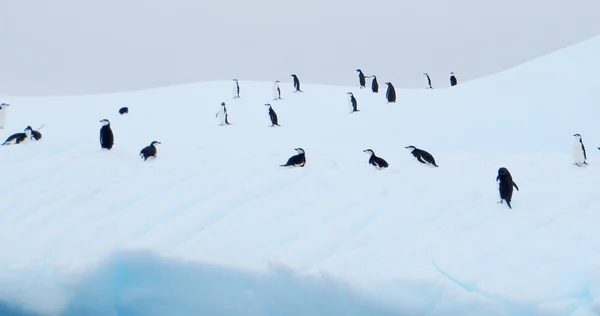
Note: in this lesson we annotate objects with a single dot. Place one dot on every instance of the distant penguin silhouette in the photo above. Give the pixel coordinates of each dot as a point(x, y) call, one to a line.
point(378, 162)
point(391, 93)
point(272, 116)
point(296, 83)
point(3, 111)
point(150, 151)
point(352, 103)
point(374, 84)
point(35, 134)
point(428, 80)
point(361, 79)
point(236, 89)
point(505, 186)
point(422, 156)
point(18, 138)
point(222, 115)
point(124, 110)
point(453, 80)
point(276, 90)
point(298, 160)
point(106, 135)
point(579, 155)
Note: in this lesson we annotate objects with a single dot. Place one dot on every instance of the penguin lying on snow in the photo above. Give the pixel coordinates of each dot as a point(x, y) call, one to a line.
point(505, 186)
point(150, 151)
point(18, 138)
point(378, 162)
point(579, 155)
point(421, 155)
point(297, 160)
point(124, 110)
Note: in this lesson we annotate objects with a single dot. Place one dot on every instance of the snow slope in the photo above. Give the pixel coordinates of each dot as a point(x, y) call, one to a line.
point(214, 226)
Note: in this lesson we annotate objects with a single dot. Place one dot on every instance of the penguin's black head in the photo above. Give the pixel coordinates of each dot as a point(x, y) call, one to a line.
point(425, 74)
point(4, 104)
point(223, 103)
point(388, 83)
point(299, 150)
point(293, 75)
point(154, 143)
point(105, 122)
point(277, 81)
point(359, 70)
point(235, 80)
point(349, 93)
point(28, 128)
point(503, 172)
point(370, 151)
point(268, 104)
point(410, 148)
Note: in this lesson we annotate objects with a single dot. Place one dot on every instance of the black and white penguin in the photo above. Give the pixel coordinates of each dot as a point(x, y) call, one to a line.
point(124, 110)
point(579, 155)
point(298, 160)
point(428, 80)
point(361, 79)
point(3, 110)
point(296, 83)
point(35, 134)
point(374, 84)
point(276, 90)
point(453, 80)
point(222, 115)
point(391, 93)
point(150, 151)
point(107, 138)
point(378, 162)
point(505, 186)
point(272, 115)
point(236, 89)
point(352, 103)
point(422, 156)
point(18, 138)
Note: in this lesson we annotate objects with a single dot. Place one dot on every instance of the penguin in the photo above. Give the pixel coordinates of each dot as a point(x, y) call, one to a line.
point(374, 84)
point(361, 79)
point(106, 135)
point(391, 93)
point(150, 151)
point(453, 80)
point(579, 155)
point(18, 138)
point(272, 115)
point(124, 110)
point(298, 160)
point(222, 115)
point(236, 89)
point(352, 103)
point(422, 156)
point(296, 83)
point(3, 114)
point(36, 134)
point(505, 186)
point(428, 80)
point(276, 91)
point(378, 162)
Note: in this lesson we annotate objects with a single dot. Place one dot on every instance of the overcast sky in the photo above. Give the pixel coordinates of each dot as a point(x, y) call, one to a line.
point(93, 46)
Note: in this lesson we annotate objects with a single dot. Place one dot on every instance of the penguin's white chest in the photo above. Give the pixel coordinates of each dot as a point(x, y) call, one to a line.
point(2, 118)
point(578, 157)
point(275, 92)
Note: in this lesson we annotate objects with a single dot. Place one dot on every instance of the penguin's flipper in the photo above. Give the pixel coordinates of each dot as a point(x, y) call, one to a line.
point(515, 185)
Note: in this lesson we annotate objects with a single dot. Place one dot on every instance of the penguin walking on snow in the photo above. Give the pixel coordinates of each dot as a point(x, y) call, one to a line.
point(296, 83)
point(422, 156)
point(352, 103)
point(276, 90)
point(361, 79)
point(18, 138)
point(298, 160)
point(3, 110)
point(272, 115)
point(106, 135)
point(453, 80)
point(236, 89)
point(222, 115)
point(124, 110)
point(378, 162)
point(374, 84)
point(505, 186)
point(579, 155)
point(428, 80)
point(391, 93)
point(150, 151)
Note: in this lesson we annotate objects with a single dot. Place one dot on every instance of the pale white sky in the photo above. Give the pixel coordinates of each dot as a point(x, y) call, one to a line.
point(77, 46)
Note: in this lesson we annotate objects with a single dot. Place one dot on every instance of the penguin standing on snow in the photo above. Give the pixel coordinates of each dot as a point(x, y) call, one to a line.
point(428, 80)
point(505, 186)
point(361, 79)
point(106, 135)
point(18, 138)
point(150, 151)
point(3, 114)
point(352, 103)
point(222, 115)
point(374, 84)
point(124, 110)
point(298, 160)
point(579, 155)
point(272, 115)
point(391, 93)
point(276, 90)
point(296, 83)
point(422, 156)
point(378, 162)
point(236, 89)
point(453, 80)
